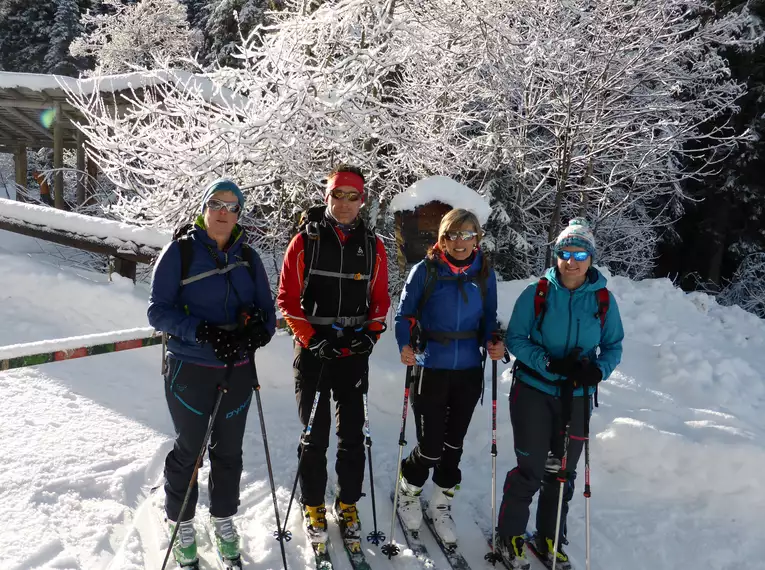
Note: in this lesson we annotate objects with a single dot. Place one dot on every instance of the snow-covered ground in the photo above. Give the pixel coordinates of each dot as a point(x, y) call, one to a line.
point(677, 455)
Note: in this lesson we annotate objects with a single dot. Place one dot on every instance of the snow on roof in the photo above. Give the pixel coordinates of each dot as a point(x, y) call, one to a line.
point(442, 189)
point(117, 233)
point(209, 90)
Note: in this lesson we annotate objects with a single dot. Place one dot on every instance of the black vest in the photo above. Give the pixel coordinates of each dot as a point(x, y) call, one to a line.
point(337, 275)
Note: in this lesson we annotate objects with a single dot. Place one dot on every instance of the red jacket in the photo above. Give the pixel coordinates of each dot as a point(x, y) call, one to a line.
point(291, 288)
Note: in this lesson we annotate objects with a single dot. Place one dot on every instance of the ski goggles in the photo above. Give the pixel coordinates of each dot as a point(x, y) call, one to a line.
point(216, 205)
point(464, 235)
point(577, 255)
point(352, 195)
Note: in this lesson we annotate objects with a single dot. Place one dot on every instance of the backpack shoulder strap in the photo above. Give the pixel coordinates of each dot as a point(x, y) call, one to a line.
point(540, 301)
point(248, 255)
point(431, 279)
point(186, 247)
point(604, 300)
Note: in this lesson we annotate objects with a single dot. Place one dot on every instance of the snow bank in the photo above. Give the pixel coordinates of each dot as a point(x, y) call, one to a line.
point(87, 226)
point(442, 189)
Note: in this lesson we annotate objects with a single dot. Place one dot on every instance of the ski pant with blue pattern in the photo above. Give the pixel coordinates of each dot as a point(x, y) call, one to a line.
point(191, 391)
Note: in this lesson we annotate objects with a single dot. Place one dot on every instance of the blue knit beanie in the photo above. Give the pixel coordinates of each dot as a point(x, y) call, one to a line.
point(577, 234)
point(221, 185)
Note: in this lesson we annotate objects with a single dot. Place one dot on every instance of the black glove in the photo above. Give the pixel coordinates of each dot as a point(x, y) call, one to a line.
point(588, 375)
point(566, 366)
point(225, 344)
point(363, 342)
point(255, 337)
point(322, 348)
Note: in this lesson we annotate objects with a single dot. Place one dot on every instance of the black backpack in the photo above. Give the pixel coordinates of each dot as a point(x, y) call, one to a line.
point(186, 246)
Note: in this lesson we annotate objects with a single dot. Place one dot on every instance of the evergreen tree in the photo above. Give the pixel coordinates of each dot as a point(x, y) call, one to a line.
point(66, 27)
point(24, 34)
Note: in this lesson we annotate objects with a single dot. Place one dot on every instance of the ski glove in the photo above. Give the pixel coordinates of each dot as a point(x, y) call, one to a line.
point(363, 343)
point(588, 375)
point(566, 366)
point(255, 337)
point(322, 349)
point(225, 344)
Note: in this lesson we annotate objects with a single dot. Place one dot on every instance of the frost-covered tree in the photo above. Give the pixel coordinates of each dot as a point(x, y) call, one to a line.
point(24, 34)
point(134, 36)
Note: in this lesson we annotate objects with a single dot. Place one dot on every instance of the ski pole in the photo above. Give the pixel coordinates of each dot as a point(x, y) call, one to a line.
point(222, 389)
point(587, 493)
point(390, 549)
point(567, 397)
point(376, 536)
point(493, 556)
point(283, 534)
point(256, 388)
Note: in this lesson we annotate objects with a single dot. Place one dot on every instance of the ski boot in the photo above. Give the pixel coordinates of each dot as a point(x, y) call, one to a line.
point(348, 519)
point(315, 524)
point(544, 546)
point(185, 544)
point(440, 511)
point(409, 507)
point(511, 550)
point(226, 541)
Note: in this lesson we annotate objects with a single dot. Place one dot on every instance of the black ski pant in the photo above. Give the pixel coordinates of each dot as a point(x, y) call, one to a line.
point(443, 402)
point(347, 380)
point(538, 434)
point(191, 391)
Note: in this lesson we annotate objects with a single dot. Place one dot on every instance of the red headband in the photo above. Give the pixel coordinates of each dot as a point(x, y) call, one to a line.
point(345, 179)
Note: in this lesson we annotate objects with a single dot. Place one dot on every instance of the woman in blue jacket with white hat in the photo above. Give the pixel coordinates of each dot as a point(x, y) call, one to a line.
point(453, 295)
point(211, 295)
point(566, 335)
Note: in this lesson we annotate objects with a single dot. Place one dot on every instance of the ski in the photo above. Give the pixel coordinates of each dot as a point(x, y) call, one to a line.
point(502, 561)
point(455, 559)
point(414, 543)
point(321, 555)
point(159, 515)
point(355, 555)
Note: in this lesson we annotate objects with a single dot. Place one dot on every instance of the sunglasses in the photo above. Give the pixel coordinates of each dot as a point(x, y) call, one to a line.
point(464, 235)
point(216, 205)
point(340, 195)
point(577, 255)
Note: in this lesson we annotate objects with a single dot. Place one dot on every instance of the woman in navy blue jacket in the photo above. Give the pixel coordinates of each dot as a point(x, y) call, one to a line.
point(213, 299)
point(566, 335)
point(456, 319)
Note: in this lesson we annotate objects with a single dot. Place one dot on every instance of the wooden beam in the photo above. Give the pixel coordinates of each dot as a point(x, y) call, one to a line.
point(15, 131)
point(94, 245)
point(58, 161)
point(81, 174)
point(36, 105)
point(29, 122)
point(20, 161)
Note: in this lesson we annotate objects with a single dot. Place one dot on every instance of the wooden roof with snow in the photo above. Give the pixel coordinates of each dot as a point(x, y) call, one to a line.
point(24, 97)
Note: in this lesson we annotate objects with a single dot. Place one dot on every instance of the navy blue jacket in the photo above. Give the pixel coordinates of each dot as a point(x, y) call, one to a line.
point(447, 311)
point(178, 310)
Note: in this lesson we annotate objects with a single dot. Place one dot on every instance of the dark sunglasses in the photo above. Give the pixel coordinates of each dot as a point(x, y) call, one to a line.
point(577, 255)
point(216, 205)
point(464, 235)
point(352, 196)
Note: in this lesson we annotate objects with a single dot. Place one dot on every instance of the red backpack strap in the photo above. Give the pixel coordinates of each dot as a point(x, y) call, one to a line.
point(603, 302)
point(540, 301)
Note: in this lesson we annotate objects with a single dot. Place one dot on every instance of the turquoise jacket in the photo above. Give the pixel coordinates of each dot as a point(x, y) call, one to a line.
point(571, 321)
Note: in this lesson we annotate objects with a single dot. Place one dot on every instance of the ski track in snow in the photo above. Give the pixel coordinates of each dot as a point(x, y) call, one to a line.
point(677, 453)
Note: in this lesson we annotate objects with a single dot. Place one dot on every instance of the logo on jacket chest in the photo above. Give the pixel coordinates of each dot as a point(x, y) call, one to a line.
point(360, 251)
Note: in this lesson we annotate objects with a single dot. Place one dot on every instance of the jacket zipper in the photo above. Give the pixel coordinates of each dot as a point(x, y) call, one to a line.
point(340, 280)
point(228, 286)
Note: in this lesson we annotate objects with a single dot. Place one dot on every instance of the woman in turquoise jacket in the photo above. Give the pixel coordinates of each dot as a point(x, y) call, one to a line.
point(566, 335)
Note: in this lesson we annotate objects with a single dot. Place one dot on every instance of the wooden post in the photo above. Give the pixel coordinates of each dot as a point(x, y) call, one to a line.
point(20, 160)
point(90, 181)
point(125, 267)
point(58, 159)
point(82, 176)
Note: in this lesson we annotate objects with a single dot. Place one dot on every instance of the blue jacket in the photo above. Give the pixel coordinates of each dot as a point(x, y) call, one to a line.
point(570, 321)
point(447, 311)
point(178, 310)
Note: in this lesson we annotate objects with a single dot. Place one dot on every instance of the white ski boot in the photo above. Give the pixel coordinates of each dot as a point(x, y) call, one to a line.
point(440, 511)
point(409, 508)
